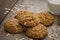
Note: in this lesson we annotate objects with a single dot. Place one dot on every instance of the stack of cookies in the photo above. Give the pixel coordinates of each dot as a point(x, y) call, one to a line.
point(34, 25)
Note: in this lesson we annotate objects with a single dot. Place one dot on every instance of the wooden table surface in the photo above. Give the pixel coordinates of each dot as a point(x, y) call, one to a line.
point(6, 4)
point(37, 6)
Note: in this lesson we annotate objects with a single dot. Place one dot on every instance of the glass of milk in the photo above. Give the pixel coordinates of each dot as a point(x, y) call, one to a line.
point(54, 6)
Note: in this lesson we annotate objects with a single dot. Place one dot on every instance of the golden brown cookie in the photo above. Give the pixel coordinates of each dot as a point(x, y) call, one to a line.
point(38, 32)
point(12, 26)
point(46, 18)
point(27, 18)
point(22, 13)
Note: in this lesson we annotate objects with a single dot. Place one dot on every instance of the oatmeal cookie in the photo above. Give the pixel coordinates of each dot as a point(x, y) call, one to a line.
point(46, 18)
point(27, 18)
point(38, 32)
point(12, 26)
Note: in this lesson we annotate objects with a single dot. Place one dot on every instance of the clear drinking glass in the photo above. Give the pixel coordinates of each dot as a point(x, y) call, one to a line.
point(54, 6)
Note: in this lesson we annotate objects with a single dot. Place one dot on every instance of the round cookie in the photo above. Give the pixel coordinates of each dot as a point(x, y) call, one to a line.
point(27, 18)
point(22, 13)
point(37, 32)
point(46, 18)
point(12, 26)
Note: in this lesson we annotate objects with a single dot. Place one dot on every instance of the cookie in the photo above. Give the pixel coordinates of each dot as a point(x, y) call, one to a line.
point(12, 26)
point(27, 18)
point(46, 18)
point(22, 13)
point(37, 32)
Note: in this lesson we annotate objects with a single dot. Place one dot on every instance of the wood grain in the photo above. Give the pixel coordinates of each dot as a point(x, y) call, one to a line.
point(5, 4)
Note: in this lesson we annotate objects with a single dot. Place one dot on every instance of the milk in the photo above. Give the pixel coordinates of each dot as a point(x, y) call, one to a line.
point(54, 6)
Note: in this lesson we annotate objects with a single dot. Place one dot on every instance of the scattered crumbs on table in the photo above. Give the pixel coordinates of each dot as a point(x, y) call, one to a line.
point(6, 8)
point(22, 39)
point(54, 38)
point(56, 35)
point(30, 39)
point(12, 10)
point(8, 34)
point(50, 36)
point(16, 38)
point(58, 29)
point(9, 9)
point(6, 12)
point(16, 5)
